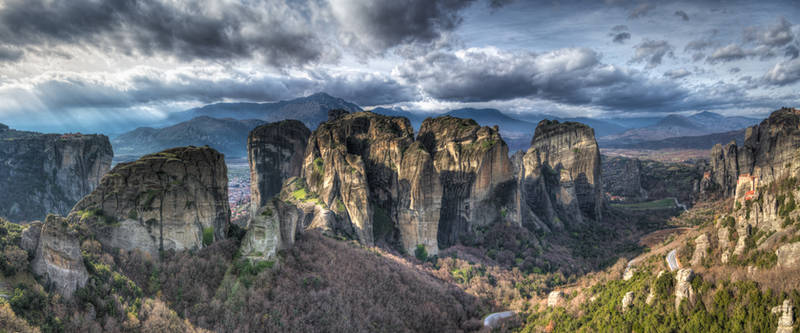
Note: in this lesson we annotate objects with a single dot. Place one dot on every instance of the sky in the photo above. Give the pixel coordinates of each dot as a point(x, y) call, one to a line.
point(109, 66)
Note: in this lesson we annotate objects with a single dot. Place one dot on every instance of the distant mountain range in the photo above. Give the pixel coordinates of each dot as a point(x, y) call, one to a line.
point(311, 110)
point(676, 126)
point(224, 126)
point(228, 136)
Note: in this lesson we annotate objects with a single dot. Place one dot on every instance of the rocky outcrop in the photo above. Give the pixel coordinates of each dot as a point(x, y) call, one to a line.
point(789, 255)
point(683, 287)
point(701, 245)
point(560, 177)
point(175, 199)
point(30, 237)
point(725, 167)
point(627, 301)
point(768, 157)
point(786, 316)
point(58, 257)
point(475, 185)
point(275, 153)
point(48, 173)
point(352, 164)
point(554, 298)
point(622, 178)
point(275, 225)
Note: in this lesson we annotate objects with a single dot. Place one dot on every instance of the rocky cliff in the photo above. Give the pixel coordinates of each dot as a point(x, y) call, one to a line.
point(365, 176)
point(762, 173)
point(352, 163)
point(560, 175)
point(462, 170)
point(175, 199)
point(275, 153)
point(48, 173)
point(58, 256)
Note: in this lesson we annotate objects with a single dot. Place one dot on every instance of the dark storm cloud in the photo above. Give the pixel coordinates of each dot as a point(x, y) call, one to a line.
point(187, 31)
point(571, 76)
point(376, 26)
point(618, 28)
point(734, 70)
point(499, 3)
point(791, 51)
point(652, 52)
point(10, 54)
point(682, 15)
point(282, 34)
point(621, 37)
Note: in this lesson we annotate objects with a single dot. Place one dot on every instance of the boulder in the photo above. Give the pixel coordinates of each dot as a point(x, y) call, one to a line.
point(786, 319)
point(627, 301)
point(58, 257)
point(175, 199)
point(554, 298)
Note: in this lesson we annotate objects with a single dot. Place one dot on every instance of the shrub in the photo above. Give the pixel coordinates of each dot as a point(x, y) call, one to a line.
point(14, 260)
point(208, 236)
point(421, 253)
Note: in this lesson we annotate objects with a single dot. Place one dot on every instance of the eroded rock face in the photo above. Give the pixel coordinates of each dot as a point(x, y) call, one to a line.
point(30, 237)
point(767, 156)
point(272, 228)
point(48, 173)
point(701, 245)
point(786, 319)
point(683, 287)
point(275, 153)
point(622, 177)
point(789, 255)
point(168, 200)
point(352, 163)
point(560, 177)
point(58, 257)
point(627, 301)
point(475, 184)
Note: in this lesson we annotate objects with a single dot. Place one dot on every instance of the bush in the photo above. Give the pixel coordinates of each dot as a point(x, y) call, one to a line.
point(421, 253)
point(14, 260)
point(208, 236)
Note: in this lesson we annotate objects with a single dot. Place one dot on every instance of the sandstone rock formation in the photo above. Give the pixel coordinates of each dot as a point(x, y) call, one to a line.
point(683, 287)
point(475, 184)
point(701, 245)
point(175, 199)
point(275, 153)
point(768, 157)
point(351, 162)
point(58, 257)
point(48, 173)
point(622, 177)
point(554, 298)
point(560, 177)
point(789, 255)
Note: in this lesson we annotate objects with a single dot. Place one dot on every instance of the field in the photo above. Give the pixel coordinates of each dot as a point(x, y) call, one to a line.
point(668, 203)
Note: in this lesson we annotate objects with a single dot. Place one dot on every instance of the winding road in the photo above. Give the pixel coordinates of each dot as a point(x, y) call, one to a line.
point(672, 260)
point(493, 318)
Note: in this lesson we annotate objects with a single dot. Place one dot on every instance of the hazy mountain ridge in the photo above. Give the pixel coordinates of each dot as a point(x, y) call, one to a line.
point(229, 136)
point(672, 126)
